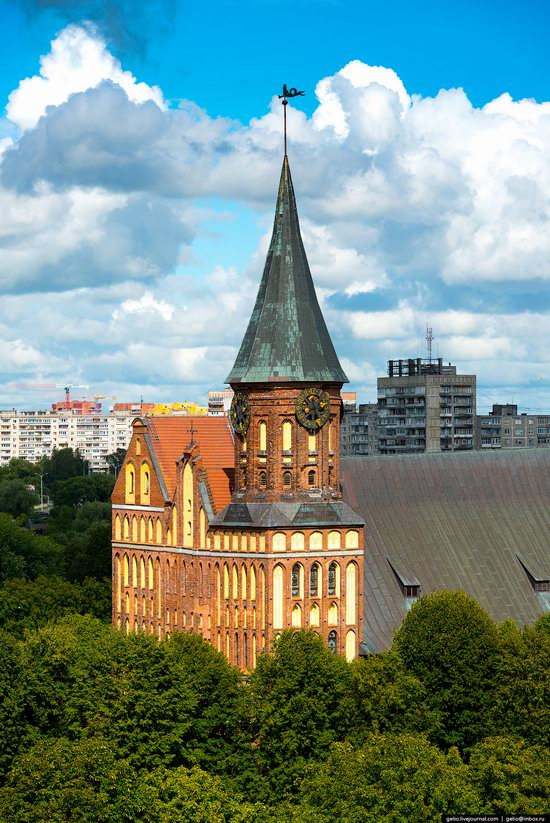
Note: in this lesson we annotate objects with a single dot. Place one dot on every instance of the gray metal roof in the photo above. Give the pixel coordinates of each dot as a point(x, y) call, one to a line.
point(286, 338)
point(474, 521)
point(286, 515)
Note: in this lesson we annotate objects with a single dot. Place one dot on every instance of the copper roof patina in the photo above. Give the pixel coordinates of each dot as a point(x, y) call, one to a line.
point(286, 338)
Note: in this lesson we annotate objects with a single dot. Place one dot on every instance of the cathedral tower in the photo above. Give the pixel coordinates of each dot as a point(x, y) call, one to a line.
point(303, 544)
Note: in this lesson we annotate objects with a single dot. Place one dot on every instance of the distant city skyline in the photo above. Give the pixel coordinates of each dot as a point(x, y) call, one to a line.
point(139, 160)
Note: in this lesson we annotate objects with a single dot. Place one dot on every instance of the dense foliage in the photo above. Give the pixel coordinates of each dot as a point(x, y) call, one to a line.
point(99, 726)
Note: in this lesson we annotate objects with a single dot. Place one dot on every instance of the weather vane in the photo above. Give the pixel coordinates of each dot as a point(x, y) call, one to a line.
point(284, 98)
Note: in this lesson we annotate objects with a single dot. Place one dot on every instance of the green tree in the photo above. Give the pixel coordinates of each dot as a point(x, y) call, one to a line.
point(511, 776)
point(26, 605)
point(62, 465)
point(388, 698)
point(20, 469)
point(299, 703)
point(451, 644)
point(521, 696)
point(25, 554)
point(391, 778)
point(115, 460)
point(12, 719)
point(60, 780)
point(79, 490)
point(16, 498)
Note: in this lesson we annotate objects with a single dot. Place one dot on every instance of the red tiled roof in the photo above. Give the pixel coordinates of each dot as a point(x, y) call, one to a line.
point(171, 435)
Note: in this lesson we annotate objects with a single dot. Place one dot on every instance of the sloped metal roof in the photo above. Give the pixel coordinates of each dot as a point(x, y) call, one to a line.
point(286, 338)
point(452, 521)
point(286, 515)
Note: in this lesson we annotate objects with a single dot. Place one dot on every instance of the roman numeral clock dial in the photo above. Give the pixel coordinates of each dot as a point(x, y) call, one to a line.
point(313, 408)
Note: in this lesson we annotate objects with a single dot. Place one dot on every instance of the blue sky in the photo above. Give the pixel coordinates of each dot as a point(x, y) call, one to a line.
point(137, 206)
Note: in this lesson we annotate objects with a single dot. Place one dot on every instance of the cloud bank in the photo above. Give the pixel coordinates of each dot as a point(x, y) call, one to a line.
point(413, 210)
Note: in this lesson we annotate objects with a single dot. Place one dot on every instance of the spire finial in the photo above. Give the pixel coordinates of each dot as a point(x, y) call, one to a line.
point(288, 93)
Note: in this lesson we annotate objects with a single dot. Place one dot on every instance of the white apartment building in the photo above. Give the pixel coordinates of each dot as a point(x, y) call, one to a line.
point(34, 434)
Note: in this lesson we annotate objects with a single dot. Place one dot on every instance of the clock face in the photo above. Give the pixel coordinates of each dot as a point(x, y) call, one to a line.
point(240, 413)
point(313, 408)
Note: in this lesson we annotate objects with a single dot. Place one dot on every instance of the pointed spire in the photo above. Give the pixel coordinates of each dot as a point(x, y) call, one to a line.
point(286, 338)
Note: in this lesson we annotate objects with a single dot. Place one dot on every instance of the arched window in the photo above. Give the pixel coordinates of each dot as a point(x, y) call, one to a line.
point(297, 541)
point(332, 641)
point(332, 614)
point(316, 541)
point(151, 573)
point(126, 569)
point(188, 506)
point(243, 582)
point(296, 580)
point(278, 595)
point(253, 583)
point(262, 480)
point(202, 528)
point(311, 477)
point(236, 648)
point(334, 540)
point(352, 540)
point(150, 530)
point(245, 650)
point(168, 536)
point(314, 580)
point(314, 615)
point(350, 645)
point(235, 592)
point(287, 480)
point(142, 530)
point(287, 436)
point(279, 542)
point(351, 585)
point(118, 530)
point(236, 620)
point(134, 571)
point(126, 528)
point(134, 529)
point(225, 581)
point(263, 436)
point(145, 484)
point(332, 579)
point(142, 572)
point(158, 531)
point(296, 616)
point(130, 491)
point(138, 446)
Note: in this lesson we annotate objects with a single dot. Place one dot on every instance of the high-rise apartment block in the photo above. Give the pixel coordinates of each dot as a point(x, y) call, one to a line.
point(504, 428)
point(425, 406)
point(359, 432)
point(219, 402)
point(35, 434)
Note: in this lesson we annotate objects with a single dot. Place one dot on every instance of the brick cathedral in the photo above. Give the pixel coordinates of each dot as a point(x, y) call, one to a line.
point(235, 527)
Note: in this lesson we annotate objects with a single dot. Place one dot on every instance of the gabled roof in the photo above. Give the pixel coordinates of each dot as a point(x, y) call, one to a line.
point(461, 520)
point(170, 436)
point(286, 338)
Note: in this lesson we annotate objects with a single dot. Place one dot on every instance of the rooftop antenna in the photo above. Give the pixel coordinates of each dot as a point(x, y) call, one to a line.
point(284, 98)
point(429, 341)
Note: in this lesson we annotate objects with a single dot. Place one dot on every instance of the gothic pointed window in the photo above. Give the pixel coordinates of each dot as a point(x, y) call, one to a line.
point(314, 580)
point(295, 580)
point(332, 579)
point(332, 641)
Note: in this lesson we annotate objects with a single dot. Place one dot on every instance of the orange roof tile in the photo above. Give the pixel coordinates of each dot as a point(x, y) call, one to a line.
point(171, 435)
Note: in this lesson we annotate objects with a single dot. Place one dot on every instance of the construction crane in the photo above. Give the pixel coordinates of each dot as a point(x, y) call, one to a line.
point(48, 386)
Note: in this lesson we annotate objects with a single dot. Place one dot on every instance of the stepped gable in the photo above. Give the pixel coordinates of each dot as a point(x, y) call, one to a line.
point(171, 436)
point(286, 338)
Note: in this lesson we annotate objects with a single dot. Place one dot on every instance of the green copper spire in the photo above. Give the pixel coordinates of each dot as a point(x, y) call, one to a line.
point(286, 338)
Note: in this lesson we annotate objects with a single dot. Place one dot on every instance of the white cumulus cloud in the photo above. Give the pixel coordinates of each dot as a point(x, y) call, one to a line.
point(78, 60)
